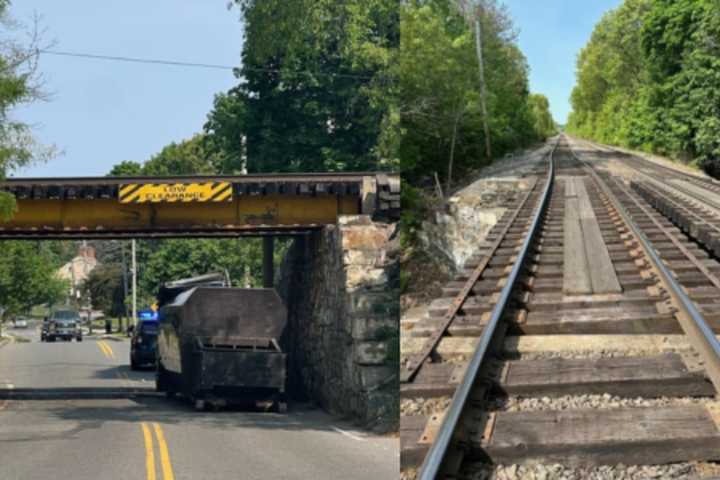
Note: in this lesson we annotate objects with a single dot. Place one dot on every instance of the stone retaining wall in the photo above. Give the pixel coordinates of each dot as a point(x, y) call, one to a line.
point(453, 233)
point(341, 287)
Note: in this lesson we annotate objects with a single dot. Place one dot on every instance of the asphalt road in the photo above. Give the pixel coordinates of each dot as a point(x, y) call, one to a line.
point(153, 438)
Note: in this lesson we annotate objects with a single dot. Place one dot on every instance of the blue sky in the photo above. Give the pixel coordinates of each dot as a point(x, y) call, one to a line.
point(552, 32)
point(101, 112)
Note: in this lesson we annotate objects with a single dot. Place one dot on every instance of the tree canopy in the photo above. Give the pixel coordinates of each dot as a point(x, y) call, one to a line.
point(649, 78)
point(27, 277)
point(440, 90)
point(315, 91)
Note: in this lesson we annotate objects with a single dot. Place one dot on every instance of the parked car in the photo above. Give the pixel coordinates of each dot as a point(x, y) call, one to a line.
point(143, 345)
point(63, 324)
point(20, 322)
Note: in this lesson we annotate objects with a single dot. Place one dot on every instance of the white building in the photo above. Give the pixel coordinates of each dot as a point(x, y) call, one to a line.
point(78, 269)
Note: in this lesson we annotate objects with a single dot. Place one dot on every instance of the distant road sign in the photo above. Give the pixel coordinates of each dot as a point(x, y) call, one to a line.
point(175, 192)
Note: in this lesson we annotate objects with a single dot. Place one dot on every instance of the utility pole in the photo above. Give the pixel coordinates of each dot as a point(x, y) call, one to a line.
point(481, 67)
point(134, 284)
point(125, 285)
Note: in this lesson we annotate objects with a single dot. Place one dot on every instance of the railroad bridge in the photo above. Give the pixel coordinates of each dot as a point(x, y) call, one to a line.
point(203, 206)
point(341, 271)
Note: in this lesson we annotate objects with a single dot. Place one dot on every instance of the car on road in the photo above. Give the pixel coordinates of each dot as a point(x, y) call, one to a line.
point(20, 322)
point(62, 324)
point(143, 345)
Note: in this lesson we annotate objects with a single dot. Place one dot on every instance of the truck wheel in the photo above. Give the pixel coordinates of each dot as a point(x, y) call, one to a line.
point(79, 339)
point(200, 405)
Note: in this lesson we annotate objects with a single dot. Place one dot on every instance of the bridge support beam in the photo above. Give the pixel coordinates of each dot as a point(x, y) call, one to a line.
point(268, 271)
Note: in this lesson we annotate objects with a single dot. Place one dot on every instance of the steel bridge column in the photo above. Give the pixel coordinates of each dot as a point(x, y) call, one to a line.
point(268, 271)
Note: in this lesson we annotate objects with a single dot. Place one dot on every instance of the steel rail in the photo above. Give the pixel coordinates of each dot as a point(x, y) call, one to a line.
point(416, 361)
point(436, 455)
point(691, 320)
point(692, 176)
point(678, 188)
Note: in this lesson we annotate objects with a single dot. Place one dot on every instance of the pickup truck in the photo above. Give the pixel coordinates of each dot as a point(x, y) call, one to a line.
point(63, 324)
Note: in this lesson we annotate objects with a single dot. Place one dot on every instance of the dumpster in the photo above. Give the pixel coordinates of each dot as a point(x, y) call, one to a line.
point(219, 345)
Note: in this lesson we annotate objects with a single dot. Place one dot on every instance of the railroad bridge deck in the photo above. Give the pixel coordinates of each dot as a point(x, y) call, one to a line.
point(204, 206)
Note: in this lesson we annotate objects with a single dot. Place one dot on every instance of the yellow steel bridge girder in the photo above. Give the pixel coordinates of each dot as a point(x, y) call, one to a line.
point(244, 211)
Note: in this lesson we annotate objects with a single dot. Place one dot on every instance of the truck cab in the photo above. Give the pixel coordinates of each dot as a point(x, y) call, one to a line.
point(62, 324)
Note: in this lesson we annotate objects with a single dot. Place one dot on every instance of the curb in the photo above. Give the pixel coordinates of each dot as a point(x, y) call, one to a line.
point(106, 337)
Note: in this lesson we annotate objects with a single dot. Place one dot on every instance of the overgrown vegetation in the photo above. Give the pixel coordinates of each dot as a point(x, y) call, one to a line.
point(440, 90)
point(649, 78)
point(443, 136)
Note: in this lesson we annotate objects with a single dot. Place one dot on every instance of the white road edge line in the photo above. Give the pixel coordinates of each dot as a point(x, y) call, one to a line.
point(348, 434)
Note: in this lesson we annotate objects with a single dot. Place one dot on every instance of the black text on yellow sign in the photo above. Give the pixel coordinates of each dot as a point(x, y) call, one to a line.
point(176, 192)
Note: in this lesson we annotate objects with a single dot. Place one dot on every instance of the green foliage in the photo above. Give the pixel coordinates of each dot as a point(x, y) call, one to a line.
point(440, 90)
point(104, 286)
point(27, 277)
point(182, 258)
point(126, 169)
point(413, 211)
point(184, 158)
point(316, 89)
point(543, 123)
point(650, 79)
point(18, 86)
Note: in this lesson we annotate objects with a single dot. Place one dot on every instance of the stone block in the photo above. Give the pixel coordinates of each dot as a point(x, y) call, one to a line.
point(371, 353)
point(374, 377)
point(372, 327)
point(354, 220)
point(364, 278)
point(373, 303)
point(364, 257)
point(364, 238)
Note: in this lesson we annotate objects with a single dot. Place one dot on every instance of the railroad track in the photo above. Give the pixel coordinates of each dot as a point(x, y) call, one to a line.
point(580, 336)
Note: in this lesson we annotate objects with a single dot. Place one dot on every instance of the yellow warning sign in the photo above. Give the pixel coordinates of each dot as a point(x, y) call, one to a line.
point(176, 192)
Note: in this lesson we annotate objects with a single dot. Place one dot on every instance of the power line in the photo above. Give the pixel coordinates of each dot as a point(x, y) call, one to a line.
point(194, 64)
point(135, 60)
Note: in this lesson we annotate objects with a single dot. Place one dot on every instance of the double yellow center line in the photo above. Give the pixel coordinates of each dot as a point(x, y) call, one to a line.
point(167, 472)
point(106, 349)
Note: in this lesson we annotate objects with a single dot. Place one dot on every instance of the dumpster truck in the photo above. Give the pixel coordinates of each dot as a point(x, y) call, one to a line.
point(219, 345)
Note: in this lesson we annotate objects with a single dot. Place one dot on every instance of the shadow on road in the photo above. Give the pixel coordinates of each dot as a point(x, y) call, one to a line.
point(89, 414)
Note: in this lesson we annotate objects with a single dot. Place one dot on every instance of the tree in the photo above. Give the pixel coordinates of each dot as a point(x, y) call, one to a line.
point(105, 289)
point(440, 93)
point(649, 78)
point(316, 88)
point(19, 84)
point(28, 278)
point(543, 123)
point(126, 169)
point(185, 158)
